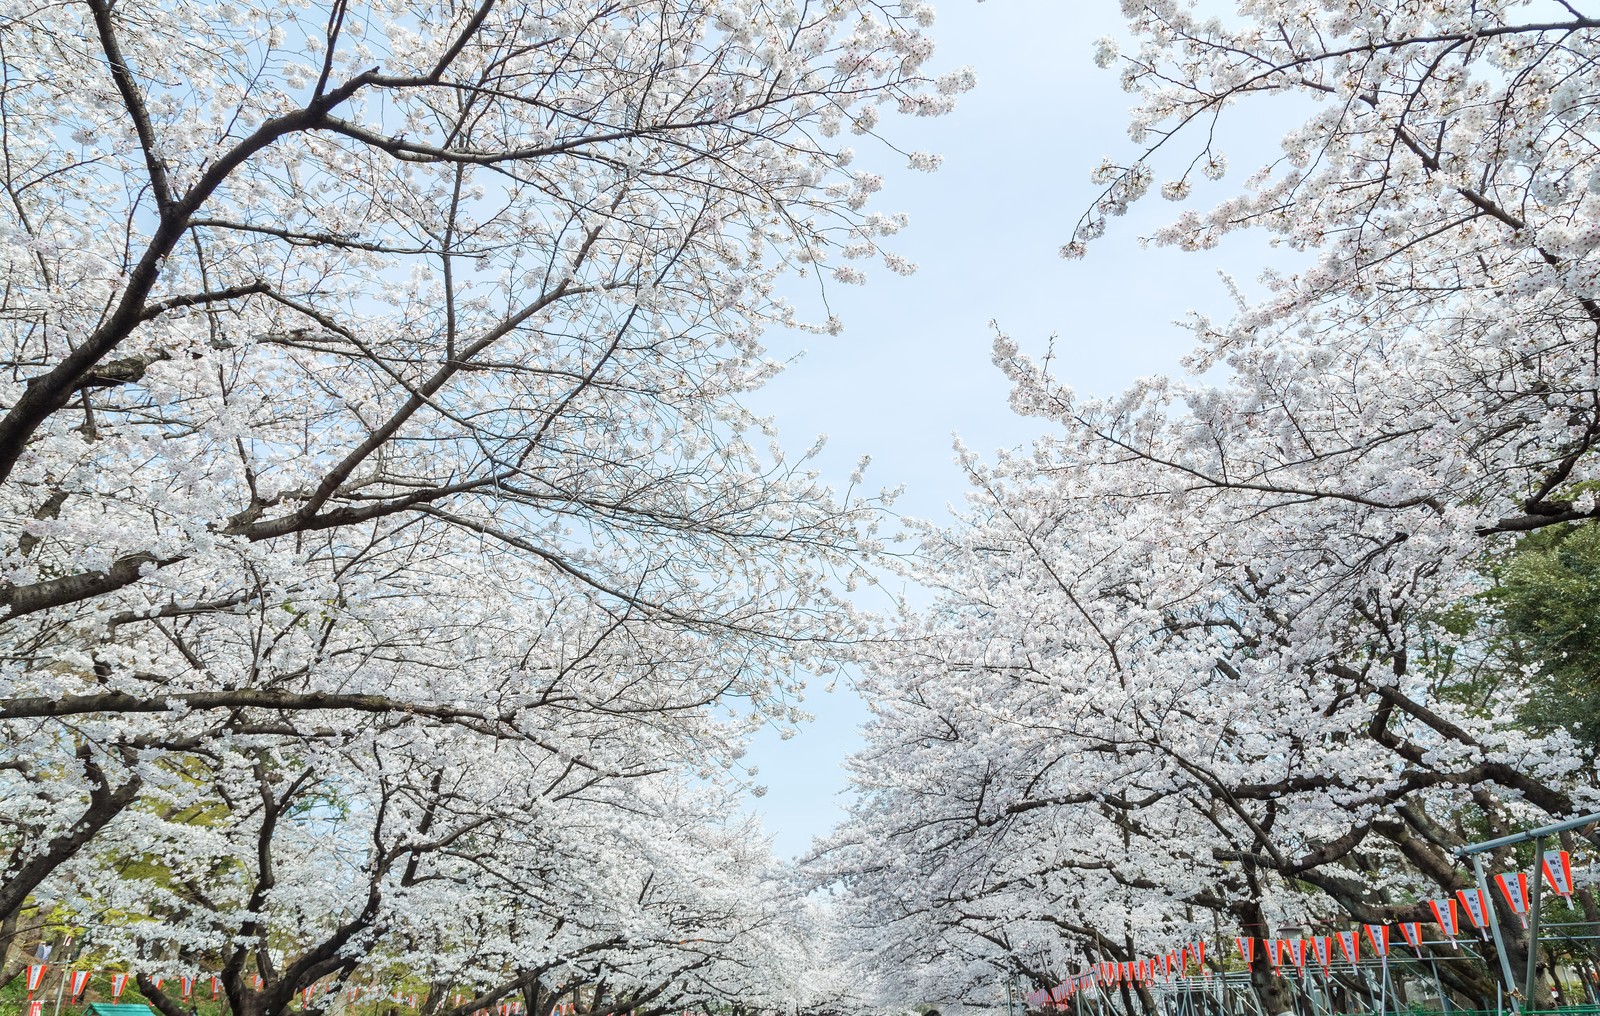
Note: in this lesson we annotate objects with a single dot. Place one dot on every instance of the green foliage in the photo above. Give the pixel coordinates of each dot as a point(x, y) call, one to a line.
point(1548, 605)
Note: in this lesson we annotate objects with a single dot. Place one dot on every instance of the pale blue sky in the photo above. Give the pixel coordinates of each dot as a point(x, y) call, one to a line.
point(912, 368)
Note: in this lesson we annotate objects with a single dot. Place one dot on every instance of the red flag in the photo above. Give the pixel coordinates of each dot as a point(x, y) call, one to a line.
point(1444, 912)
point(36, 1007)
point(1515, 889)
point(1559, 876)
point(1378, 935)
point(1477, 903)
point(36, 975)
point(118, 982)
point(1350, 945)
point(1247, 951)
point(186, 983)
point(80, 982)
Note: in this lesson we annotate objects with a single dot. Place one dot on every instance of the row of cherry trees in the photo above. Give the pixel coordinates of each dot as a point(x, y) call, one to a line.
point(1213, 657)
point(390, 570)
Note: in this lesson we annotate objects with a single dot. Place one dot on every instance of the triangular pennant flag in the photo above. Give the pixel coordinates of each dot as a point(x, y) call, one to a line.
point(1322, 945)
point(1350, 945)
point(1515, 889)
point(1444, 912)
point(36, 976)
point(1411, 931)
point(80, 982)
point(1275, 953)
point(1247, 951)
point(118, 982)
point(258, 982)
point(1200, 955)
point(186, 986)
point(1378, 935)
point(1297, 952)
point(36, 1007)
point(157, 981)
point(1559, 875)
point(216, 986)
point(1476, 901)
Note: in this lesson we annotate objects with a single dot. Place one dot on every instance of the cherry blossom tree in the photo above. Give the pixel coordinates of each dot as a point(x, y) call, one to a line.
point(1217, 640)
point(376, 479)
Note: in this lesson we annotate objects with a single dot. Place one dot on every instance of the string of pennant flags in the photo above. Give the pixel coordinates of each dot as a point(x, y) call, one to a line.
point(1324, 950)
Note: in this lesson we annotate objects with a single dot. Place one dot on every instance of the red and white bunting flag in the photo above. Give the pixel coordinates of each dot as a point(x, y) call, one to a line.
point(1559, 875)
point(1200, 955)
point(1477, 903)
point(411, 1000)
point(216, 986)
point(36, 1007)
point(36, 975)
point(118, 982)
point(1274, 952)
point(1350, 945)
point(80, 982)
point(1444, 912)
point(1297, 952)
point(1247, 951)
point(458, 998)
point(1411, 931)
point(1322, 945)
point(1378, 935)
point(157, 981)
point(1127, 973)
point(516, 1006)
point(258, 982)
point(1515, 889)
point(186, 984)
point(305, 995)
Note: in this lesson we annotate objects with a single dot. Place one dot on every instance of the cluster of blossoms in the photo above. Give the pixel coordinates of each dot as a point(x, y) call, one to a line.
point(388, 551)
point(1204, 656)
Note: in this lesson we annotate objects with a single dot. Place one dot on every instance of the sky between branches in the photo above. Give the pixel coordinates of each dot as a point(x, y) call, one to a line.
point(912, 369)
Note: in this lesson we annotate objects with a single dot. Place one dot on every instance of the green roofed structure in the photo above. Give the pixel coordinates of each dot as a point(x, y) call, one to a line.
point(120, 1009)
